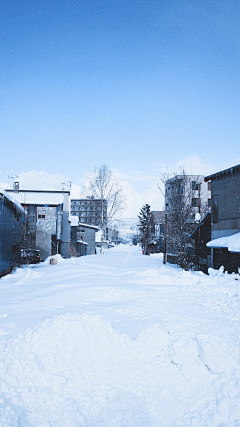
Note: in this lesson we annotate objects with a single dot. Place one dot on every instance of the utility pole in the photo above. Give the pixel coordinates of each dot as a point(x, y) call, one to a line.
point(199, 231)
point(165, 241)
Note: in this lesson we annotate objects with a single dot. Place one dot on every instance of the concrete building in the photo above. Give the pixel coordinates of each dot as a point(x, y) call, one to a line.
point(185, 196)
point(196, 191)
point(89, 211)
point(48, 226)
point(225, 217)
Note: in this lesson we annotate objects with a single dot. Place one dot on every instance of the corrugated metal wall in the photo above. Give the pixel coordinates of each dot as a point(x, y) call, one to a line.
point(12, 222)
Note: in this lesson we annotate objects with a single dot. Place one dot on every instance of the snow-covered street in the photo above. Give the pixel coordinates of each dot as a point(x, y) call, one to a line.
point(119, 340)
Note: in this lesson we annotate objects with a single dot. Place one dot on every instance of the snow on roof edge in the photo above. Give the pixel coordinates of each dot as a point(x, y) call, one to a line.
point(11, 199)
point(231, 243)
point(226, 171)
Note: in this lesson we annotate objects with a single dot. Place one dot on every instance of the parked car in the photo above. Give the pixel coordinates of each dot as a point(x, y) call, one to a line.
point(30, 256)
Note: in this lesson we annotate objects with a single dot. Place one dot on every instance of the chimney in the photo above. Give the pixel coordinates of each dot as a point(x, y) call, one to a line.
point(16, 187)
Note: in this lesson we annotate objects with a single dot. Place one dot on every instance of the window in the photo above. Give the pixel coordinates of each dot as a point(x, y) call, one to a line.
point(40, 216)
point(209, 203)
point(194, 202)
point(209, 186)
point(215, 208)
point(195, 185)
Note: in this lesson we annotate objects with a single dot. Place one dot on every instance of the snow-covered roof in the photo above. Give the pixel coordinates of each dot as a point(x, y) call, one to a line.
point(83, 243)
point(88, 225)
point(232, 243)
point(12, 199)
point(74, 220)
point(227, 171)
point(39, 197)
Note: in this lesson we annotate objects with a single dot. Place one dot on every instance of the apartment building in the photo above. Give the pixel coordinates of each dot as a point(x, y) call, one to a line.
point(89, 211)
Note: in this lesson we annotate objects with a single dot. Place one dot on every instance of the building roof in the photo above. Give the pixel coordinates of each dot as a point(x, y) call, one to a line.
point(74, 223)
point(74, 220)
point(232, 169)
point(181, 176)
point(232, 243)
point(12, 200)
point(39, 197)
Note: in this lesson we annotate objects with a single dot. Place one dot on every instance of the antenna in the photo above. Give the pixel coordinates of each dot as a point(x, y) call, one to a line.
point(13, 179)
point(69, 185)
point(63, 186)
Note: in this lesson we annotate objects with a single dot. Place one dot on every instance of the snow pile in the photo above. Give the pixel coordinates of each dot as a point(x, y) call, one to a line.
point(75, 370)
point(128, 342)
point(232, 243)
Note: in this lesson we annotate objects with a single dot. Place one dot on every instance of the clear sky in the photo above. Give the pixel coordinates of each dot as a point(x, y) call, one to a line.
point(137, 85)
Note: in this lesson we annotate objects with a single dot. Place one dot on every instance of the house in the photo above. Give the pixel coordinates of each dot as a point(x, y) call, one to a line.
point(12, 226)
point(48, 226)
point(82, 237)
point(225, 218)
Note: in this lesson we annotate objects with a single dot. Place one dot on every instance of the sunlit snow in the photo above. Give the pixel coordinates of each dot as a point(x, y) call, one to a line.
point(119, 340)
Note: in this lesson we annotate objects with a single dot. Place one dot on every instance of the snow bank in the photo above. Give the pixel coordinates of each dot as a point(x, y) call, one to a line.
point(54, 260)
point(75, 370)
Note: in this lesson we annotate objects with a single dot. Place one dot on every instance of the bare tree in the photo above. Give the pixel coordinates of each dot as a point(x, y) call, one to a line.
point(182, 201)
point(103, 185)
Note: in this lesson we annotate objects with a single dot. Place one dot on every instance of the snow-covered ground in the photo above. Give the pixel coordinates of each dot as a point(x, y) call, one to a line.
point(119, 340)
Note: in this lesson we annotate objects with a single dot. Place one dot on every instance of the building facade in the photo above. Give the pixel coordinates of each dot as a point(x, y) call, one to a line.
point(82, 238)
point(89, 211)
point(225, 217)
point(185, 196)
point(48, 226)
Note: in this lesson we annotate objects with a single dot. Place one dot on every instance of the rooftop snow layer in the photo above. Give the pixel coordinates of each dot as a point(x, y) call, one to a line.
point(38, 198)
point(12, 199)
point(232, 243)
point(74, 220)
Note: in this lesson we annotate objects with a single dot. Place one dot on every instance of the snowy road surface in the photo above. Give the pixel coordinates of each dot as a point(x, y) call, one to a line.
point(119, 340)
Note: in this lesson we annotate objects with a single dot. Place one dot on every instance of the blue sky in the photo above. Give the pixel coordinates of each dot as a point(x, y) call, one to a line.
point(138, 85)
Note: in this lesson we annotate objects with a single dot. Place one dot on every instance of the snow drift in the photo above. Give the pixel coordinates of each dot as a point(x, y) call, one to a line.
point(75, 370)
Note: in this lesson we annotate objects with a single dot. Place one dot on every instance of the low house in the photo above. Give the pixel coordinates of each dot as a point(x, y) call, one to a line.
point(158, 237)
point(48, 227)
point(225, 218)
point(12, 226)
point(82, 237)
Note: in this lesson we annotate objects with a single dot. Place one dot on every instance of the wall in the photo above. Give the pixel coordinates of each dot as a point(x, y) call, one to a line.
point(12, 223)
point(227, 188)
point(88, 236)
point(45, 228)
point(85, 234)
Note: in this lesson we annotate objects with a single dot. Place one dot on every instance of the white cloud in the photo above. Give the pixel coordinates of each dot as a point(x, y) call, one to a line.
point(139, 187)
point(39, 180)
